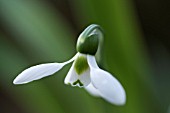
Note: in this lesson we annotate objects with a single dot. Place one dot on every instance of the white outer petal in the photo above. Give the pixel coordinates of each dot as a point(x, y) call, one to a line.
point(39, 71)
point(92, 90)
point(108, 86)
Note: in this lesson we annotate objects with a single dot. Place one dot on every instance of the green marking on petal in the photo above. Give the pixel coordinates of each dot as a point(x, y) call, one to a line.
point(68, 84)
point(81, 65)
point(78, 82)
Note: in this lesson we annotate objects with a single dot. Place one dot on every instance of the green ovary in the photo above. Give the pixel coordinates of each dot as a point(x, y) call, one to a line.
point(81, 65)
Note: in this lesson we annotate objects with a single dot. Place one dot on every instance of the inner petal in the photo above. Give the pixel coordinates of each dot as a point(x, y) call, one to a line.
point(81, 64)
point(79, 73)
point(78, 82)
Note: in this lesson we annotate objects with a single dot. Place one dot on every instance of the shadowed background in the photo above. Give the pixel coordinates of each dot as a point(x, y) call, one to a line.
point(136, 51)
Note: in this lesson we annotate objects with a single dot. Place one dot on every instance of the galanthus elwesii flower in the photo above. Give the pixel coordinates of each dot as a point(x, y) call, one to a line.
point(84, 72)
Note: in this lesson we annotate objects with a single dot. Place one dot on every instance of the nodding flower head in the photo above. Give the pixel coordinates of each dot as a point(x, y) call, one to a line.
point(84, 72)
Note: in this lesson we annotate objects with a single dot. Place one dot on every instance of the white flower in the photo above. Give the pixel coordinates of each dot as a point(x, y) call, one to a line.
point(83, 73)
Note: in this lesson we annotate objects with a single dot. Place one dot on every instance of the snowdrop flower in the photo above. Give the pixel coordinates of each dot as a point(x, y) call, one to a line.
point(84, 72)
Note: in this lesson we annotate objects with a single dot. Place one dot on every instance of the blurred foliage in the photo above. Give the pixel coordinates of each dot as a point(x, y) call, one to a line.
point(34, 31)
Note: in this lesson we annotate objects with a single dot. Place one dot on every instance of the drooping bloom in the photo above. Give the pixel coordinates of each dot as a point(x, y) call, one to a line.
point(84, 73)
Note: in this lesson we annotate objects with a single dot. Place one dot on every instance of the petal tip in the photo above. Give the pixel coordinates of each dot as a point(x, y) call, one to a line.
point(121, 100)
point(16, 82)
point(19, 80)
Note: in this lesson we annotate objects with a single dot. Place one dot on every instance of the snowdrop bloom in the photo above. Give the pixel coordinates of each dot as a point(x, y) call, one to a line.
point(84, 71)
